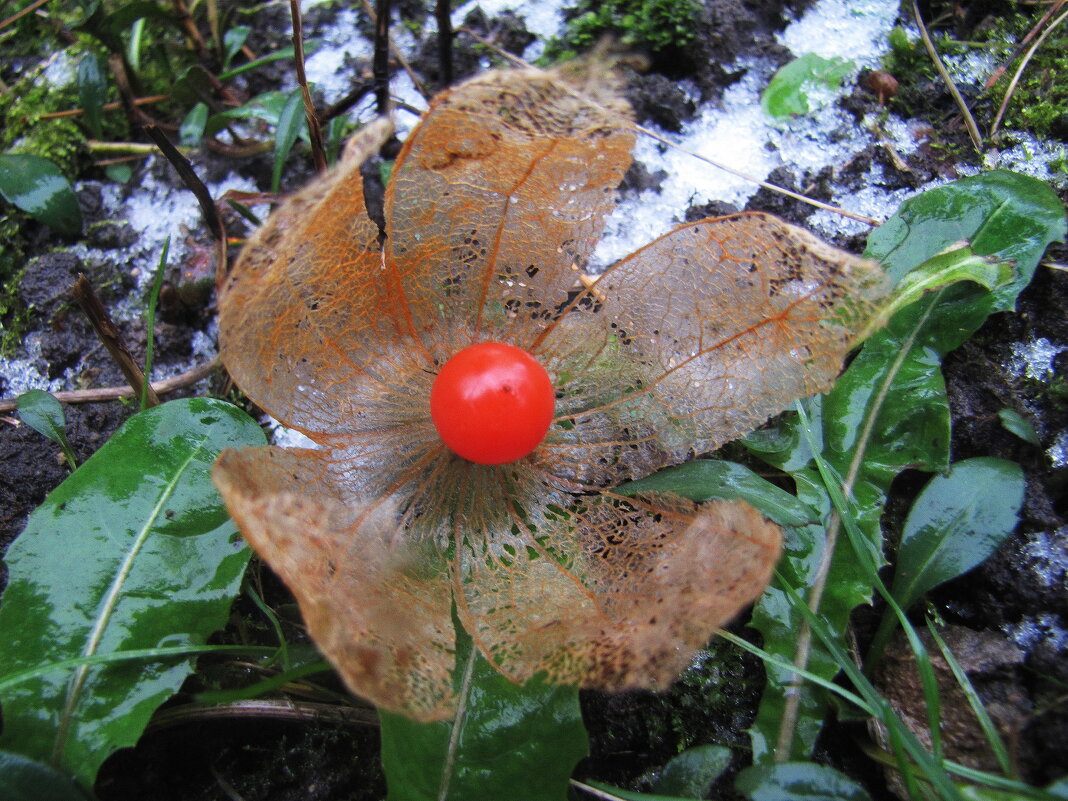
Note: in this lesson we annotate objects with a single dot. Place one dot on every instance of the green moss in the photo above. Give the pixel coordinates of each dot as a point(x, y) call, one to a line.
point(59, 140)
point(652, 25)
point(13, 315)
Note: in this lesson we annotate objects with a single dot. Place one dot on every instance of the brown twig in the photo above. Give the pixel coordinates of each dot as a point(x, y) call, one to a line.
point(1019, 72)
point(20, 14)
point(185, 19)
point(111, 106)
point(996, 75)
point(127, 96)
point(114, 393)
point(347, 102)
point(111, 337)
point(203, 196)
point(315, 133)
point(969, 120)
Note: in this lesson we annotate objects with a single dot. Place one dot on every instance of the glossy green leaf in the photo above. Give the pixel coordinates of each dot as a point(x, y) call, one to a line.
point(233, 41)
point(956, 522)
point(798, 781)
point(191, 131)
point(290, 122)
point(887, 412)
point(507, 741)
point(1004, 214)
point(22, 779)
point(92, 92)
point(705, 479)
point(37, 186)
point(691, 773)
point(282, 53)
point(44, 414)
point(133, 551)
point(1017, 424)
point(267, 107)
point(797, 87)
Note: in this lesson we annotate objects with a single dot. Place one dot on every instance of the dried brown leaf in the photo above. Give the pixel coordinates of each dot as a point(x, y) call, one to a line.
point(690, 342)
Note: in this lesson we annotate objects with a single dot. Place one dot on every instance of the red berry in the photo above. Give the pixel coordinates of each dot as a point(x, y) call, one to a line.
point(492, 403)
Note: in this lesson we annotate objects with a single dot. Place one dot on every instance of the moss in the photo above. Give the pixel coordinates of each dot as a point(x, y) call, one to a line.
point(59, 140)
point(1039, 103)
point(652, 25)
point(13, 315)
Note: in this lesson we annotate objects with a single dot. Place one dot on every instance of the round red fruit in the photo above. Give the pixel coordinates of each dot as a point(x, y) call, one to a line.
point(492, 403)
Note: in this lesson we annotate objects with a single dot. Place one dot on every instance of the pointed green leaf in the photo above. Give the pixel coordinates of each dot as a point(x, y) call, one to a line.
point(705, 479)
point(691, 773)
point(508, 741)
point(233, 41)
point(191, 131)
point(889, 411)
point(1004, 214)
point(134, 550)
point(44, 414)
point(290, 122)
point(37, 186)
point(1017, 424)
point(92, 91)
point(798, 781)
point(957, 521)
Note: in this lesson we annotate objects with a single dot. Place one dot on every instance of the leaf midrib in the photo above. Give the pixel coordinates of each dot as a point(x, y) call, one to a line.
point(111, 601)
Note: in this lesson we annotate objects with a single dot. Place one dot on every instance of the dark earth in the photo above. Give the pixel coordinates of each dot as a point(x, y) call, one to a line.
point(334, 756)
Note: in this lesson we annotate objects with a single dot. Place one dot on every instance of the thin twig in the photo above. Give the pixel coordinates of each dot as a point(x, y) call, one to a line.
point(20, 14)
point(315, 133)
point(109, 334)
point(380, 62)
point(203, 196)
point(969, 120)
point(190, 28)
point(115, 393)
point(395, 51)
point(1019, 72)
point(111, 106)
point(996, 75)
point(347, 102)
point(443, 13)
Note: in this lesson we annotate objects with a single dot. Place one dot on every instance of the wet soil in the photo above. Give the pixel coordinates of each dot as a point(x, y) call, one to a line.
point(632, 734)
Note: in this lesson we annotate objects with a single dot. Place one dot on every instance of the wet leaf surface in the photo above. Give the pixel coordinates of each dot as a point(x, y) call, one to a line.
point(133, 551)
point(37, 186)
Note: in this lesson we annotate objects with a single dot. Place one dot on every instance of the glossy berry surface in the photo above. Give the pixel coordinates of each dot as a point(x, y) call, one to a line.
point(492, 403)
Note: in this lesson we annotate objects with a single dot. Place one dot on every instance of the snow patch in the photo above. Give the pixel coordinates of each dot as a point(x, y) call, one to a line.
point(1034, 358)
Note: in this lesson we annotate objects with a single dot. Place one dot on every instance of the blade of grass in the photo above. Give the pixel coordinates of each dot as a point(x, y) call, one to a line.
point(969, 120)
point(262, 687)
point(997, 745)
point(283, 643)
point(150, 320)
point(870, 561)
point(902, 737)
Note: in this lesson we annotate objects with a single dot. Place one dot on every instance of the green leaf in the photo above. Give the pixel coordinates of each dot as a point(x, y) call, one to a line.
point(37, 186)
point(1004, 214)
point(92, 92)
point(290, 122)
point(1016, 423)
point(133, 551)
point(798, 781)
point(191, 130)
point(887, 412)
point(267, 107)
point(957, 521)
point(286, 53)
point(22, 779)
point(705, 479)
point(610, 793)
point(233, 41)
point(505, 737)
point(796, 88)
point(691, 773)
point(44, 414)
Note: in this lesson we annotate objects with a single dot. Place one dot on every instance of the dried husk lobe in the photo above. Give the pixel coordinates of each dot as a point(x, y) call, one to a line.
point(497, 197)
